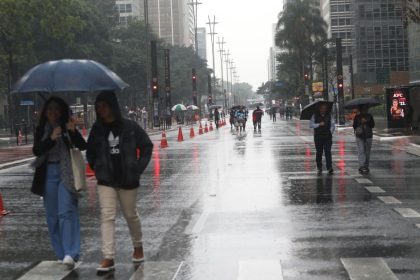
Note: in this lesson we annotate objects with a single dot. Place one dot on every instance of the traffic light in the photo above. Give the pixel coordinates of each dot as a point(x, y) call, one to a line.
point(194, 79)
point(306, 76)
point(155, 87)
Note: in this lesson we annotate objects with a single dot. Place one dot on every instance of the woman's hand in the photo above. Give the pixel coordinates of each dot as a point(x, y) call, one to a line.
point(71, 125)
point(56, 133)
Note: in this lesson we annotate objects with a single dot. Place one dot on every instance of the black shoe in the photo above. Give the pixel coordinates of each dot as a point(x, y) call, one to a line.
point(319, 171)
point(330, 171)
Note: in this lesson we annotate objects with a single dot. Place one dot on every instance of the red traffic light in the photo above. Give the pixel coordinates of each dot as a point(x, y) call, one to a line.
point(340, 85)
point(194, 77)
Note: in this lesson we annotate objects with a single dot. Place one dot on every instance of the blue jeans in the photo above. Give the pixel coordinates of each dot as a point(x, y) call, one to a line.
point(62, 215)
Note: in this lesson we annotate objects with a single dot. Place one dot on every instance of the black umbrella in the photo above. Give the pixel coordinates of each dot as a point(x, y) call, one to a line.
point(310, 109)
point(238, 107)
point(69, 75)
point(355, 103)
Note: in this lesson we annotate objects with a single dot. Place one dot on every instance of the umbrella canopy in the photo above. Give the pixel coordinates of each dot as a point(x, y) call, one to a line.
point(192, 107)
point(179, 107)
point(355, 103)
point(215, 107)
point(238, 107)
point(69, 75)
point(310, 109)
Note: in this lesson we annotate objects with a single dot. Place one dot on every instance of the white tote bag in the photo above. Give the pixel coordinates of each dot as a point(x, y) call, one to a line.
point(78, 167)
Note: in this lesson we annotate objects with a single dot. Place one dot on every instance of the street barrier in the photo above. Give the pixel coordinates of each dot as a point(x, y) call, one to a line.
point(206, 128)
point(164, 141)
point(3, 212)
point(211, 126)
point(200, 130)
point(192, 134)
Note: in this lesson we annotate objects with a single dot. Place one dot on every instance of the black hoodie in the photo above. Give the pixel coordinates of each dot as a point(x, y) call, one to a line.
point(115, 161)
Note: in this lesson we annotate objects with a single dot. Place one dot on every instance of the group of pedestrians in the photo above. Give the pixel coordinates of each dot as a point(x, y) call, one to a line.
point(118, 150)
point(141, 116)
point(324, 127)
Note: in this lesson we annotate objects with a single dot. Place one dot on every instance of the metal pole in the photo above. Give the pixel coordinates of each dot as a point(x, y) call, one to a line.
point(325, 70)
point(221, 50)
point(340, 84)
point(147, 47)
point(212, 26)
point(351, 76)
point(227, 54)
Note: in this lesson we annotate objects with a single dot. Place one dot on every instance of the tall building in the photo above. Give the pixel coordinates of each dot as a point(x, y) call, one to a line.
point(202, 42)
point(272, 56)
point(171, 20)
point(380, 42)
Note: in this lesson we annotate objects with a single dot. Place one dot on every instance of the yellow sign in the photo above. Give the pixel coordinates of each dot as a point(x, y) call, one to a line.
point(317, 87)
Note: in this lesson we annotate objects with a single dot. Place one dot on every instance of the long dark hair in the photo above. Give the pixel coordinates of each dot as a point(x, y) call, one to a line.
point(64, 109)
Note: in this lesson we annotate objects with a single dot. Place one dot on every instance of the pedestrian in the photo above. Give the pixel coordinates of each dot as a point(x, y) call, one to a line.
point(324, 127)
point(53, 179)
point(363, 125)
point(256, 118)
point(232, 115)
point(144, 117)
point(216, 117)
point(274, 113)
point(118, 151)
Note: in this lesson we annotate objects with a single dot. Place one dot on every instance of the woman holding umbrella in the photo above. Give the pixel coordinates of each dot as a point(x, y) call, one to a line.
point(53, 179)
point(363, 124)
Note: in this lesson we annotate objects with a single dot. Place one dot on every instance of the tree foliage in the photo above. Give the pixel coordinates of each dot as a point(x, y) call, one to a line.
point(301, 34)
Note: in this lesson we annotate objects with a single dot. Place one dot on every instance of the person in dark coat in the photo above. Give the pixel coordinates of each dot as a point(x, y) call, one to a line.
point(53, 179)
point(256, 118)
point(119, 151)
point(363, 125)
point(216, 118)
point(324, 127)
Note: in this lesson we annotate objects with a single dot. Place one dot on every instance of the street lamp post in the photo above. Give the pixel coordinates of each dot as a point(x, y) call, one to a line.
point(147, 47)
point(194, 4)
point(227, 54)
point(221, 51)
point(212, 26)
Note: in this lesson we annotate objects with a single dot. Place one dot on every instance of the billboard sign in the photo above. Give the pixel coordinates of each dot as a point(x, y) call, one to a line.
point(397, 106)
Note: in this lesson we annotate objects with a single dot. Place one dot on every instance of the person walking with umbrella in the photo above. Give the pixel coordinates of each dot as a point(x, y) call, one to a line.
point(54, 180)
point(324, 127)
point(363, 124)
point(118, 150)
point(256, 118)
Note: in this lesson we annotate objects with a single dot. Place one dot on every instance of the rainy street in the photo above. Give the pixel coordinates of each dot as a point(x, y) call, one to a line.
point(219, 206)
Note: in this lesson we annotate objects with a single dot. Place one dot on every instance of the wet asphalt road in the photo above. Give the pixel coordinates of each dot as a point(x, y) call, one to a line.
point(227, 207)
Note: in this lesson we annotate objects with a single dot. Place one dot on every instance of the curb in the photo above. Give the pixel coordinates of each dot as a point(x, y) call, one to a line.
point(16, 163)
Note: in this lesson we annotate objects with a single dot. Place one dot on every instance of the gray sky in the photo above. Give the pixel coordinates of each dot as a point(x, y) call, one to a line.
point(246, 26)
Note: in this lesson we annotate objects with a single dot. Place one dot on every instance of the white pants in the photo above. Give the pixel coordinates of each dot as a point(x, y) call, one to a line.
point(108, 198)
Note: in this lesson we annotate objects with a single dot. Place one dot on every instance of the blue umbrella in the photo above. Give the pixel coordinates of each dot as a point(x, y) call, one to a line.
point(69, 75)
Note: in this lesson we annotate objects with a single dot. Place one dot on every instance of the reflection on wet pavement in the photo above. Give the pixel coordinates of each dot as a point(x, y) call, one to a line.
point(224, 206)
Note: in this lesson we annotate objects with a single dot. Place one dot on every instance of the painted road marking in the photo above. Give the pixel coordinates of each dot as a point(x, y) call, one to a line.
point(48, 270)
point(389, 199)
point(363, 181)
point(312, 177)
point(157, 271)
point(368, 268)
point(198, 225)
point(375, 190)
point(260, 269)
point(407, 212)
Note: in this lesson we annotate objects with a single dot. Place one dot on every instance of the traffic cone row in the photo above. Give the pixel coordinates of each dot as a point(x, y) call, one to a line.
point(3, 212)
point(164, 141)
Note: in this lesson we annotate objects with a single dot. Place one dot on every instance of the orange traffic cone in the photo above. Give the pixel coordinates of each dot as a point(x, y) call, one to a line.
point(211, 126)
point(89, 171)
point(84, 132)
point(20, 137)
point(164, 141)
point(206, 128)
point(180, 135)
point(3, 212)
point(192, 134)
point(200, 130)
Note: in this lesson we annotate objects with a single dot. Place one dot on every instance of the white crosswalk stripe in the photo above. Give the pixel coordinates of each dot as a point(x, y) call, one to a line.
point(407, 212)
point(375, 189)
point(260, 269)
point(158, 271)
point(368, 269)
point(363, 181)
point(389, 200)
point(47, 270)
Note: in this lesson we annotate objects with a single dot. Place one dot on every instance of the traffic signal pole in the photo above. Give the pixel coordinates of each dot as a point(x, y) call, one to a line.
point(155, 88)
point(340, 83)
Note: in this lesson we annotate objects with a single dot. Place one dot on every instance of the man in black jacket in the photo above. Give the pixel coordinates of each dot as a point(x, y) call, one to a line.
point(324, 126)
point(363, 125)
point(118, 150)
